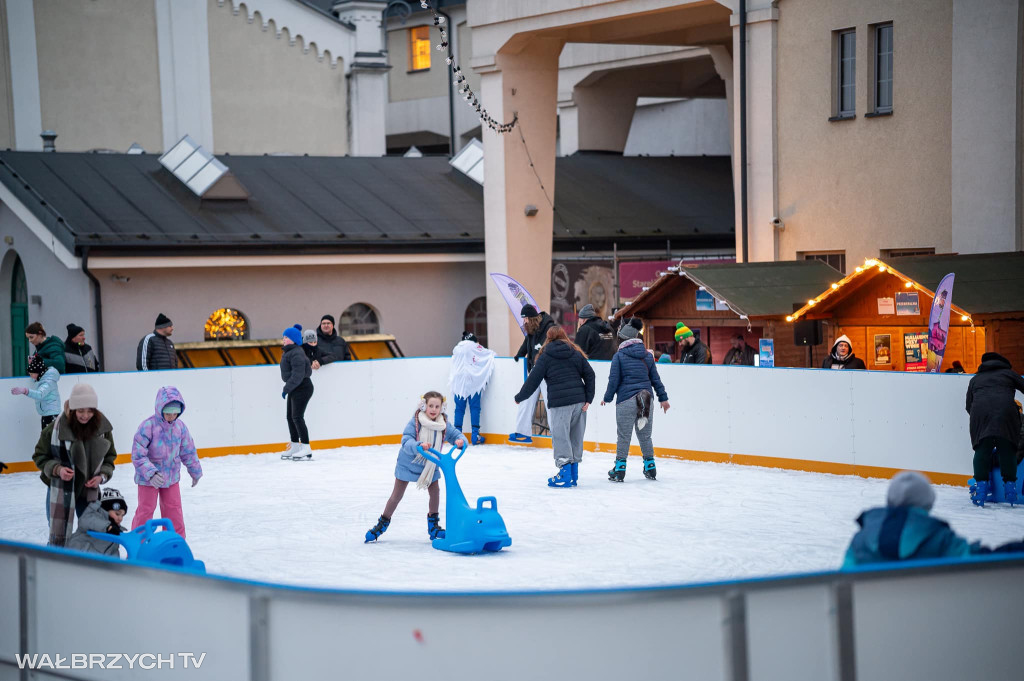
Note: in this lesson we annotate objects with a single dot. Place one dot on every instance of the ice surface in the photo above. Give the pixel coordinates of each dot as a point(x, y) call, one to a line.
point(303, 522)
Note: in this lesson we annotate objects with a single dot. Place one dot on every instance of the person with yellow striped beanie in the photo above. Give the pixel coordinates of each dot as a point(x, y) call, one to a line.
point(694, 350)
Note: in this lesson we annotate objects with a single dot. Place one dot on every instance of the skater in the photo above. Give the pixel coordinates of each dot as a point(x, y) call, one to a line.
point(472, 366)
point(162, 443)
point(995, 424)
point(298, 389)
point(105, 515)
point(842, 356)
point(903, 529)
point(634, 378)
point(570, 382)
point(595, 338)
point(50, 350)
point(536, 325)
point(44, 392)
point(74, 455)
point(428, 428)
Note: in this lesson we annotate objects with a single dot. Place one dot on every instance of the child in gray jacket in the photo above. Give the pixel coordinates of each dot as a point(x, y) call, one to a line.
point(105, 516)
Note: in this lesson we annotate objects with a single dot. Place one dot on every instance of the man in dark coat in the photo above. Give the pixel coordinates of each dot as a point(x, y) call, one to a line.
point(842, 356)
point(536, 325)
point(78, 355)
point(333, 347)
point(595, 337)
point(156, 349)
point(693, 349)
point(740, 353)
point(995, 423)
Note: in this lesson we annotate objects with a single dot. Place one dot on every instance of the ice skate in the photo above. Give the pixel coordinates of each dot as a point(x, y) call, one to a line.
point(478, 439)
point(287, 454)
point(979, 493)
point(303, 453)
point(520, 438)
point(434, 528)
point(564, 477)
point(575, 470)
point(618, 474)
point(650, 470)
point(374, 533)
point(1010, 492)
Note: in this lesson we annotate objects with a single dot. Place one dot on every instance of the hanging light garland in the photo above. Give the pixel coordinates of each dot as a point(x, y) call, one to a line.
point(461, 82)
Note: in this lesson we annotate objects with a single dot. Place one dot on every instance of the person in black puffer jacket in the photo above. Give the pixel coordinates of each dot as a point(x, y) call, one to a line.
point(78, 355)
point(536, 325)
point(565, 369)
point(634, 377)
point(995, 423)
point(333, 347)
point(298, 389)
point(595, 338)
point(842, 357)
point(156, 349)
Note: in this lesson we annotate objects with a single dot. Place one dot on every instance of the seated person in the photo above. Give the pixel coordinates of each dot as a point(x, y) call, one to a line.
point(105, 515)
point(904, 529)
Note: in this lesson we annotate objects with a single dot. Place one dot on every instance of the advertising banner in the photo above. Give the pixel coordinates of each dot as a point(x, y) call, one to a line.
point(915, 345)
point(634, 276)
point(907, 304)
point(514, 294)
point(766, 352)
point(575, 283)
point(883, 349)
point(938, 323)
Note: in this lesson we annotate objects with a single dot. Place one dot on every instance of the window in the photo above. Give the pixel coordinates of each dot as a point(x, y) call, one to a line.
point(845, 74)
point(419, 48)
point(226, 324)
point(883, 68)
point(836, 259)
point(476, 319)
point(905, 252)
point(358, 319)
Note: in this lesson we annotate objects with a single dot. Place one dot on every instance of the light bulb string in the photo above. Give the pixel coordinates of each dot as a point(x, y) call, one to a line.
point(465, 91)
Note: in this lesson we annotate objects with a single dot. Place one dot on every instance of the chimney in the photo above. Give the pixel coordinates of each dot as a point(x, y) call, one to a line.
point(49, 139)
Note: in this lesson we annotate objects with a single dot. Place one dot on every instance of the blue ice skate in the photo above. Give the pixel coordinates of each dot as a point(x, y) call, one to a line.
point(470, 530)
point(563, 478)
point(996, 489)
point(575, 473)
point(146, 545)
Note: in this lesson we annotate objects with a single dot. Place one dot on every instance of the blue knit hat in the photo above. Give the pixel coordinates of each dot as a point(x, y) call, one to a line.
point(294, 334)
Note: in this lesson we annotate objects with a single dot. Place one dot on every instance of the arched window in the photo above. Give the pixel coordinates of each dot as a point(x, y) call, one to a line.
point(227, 324)
point(358, 319)
point(19, 318)
point(476, 319)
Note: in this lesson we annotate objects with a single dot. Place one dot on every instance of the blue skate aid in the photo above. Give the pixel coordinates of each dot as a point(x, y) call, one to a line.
point(146, 545)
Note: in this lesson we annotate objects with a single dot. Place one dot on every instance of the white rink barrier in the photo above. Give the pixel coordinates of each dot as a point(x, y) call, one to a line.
point(853, 422)
point(915, 622)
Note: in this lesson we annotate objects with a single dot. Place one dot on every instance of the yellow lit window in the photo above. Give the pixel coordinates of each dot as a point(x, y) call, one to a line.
point(419, 48)
point(226, 324)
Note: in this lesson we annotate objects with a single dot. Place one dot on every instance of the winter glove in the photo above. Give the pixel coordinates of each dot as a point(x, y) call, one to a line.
point(157, 480)
point(113, 528)
point(284, 396)
point(19, 391)
point(516, 358)
point(195, 481)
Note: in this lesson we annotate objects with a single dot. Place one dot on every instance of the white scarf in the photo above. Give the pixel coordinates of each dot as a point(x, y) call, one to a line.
point(472, 366)
point(432, 432)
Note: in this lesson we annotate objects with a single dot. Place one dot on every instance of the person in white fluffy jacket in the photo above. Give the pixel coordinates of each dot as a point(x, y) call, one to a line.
point(472, 366)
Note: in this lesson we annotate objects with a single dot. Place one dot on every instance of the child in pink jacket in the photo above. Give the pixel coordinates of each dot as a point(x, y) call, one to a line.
point(162, 443)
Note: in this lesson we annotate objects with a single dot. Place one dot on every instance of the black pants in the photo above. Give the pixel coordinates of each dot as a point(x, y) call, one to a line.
point(995, 447)
point(297, 401)
point(47, 420)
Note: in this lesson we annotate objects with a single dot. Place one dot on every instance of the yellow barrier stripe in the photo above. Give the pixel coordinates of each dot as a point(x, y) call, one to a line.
point(544, 443)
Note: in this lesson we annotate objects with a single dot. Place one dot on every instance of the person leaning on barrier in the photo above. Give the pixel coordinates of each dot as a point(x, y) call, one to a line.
point(333, 347)
point(904, 529)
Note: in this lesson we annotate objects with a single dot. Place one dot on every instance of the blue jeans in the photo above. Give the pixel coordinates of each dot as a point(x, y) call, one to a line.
point(474, 410)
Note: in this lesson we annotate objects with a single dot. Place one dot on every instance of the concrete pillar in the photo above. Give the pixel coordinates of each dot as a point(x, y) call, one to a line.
point(367, 77)
point(605, 115)
point(724, 68)
point(525, 83)
point(183, 56)
point(24, 69)
point(762, 158)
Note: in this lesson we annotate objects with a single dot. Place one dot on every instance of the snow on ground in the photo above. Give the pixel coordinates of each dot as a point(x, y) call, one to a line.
point(262, 518)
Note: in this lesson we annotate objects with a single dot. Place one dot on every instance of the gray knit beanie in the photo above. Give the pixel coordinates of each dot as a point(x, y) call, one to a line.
point(628, 331)
point(910, 488)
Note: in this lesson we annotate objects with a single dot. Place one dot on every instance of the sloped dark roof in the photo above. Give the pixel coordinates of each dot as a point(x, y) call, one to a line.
point(764, 288)
point(985, 283)
point(117, 203)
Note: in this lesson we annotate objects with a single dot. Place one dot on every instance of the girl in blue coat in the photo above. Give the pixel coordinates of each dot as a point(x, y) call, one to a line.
point(44, 392)
point(633, 377)
point(428, 428)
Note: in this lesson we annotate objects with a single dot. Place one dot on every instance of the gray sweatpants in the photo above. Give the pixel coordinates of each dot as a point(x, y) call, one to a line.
point(567, 427)
point(626, 413)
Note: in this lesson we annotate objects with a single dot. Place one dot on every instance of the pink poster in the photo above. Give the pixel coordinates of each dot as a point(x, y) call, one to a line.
point(634, 276)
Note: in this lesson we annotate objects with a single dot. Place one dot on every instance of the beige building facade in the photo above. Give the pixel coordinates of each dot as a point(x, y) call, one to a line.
point(253, 77)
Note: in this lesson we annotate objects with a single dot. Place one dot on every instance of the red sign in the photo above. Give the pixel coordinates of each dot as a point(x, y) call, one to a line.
point(634, 276)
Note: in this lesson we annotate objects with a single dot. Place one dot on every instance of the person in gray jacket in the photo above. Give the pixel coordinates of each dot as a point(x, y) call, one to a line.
point(298, 389)
point(104, 516)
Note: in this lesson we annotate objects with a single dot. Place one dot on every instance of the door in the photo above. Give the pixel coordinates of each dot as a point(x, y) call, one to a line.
point(19, 320)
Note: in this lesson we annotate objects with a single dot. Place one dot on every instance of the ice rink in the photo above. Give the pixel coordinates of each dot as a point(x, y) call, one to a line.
point(262, 518)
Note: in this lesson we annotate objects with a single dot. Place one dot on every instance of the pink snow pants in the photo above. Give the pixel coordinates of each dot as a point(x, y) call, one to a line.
point(170, 506)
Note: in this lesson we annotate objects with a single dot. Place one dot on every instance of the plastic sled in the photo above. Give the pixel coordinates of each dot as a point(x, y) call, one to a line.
point(470, 530)
point(996, 493)
point(146, 545)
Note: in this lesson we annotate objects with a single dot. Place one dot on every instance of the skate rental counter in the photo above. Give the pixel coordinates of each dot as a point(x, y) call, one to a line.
point(866, 423)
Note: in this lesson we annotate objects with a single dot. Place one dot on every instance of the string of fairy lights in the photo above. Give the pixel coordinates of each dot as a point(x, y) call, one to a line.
point(465, 91)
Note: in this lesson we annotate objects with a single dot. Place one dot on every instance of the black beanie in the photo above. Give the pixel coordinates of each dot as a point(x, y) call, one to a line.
point(328, 318)
point(112, 500)
point(73, 330)
point(35, 365)
point(162, 322)
point(528, 311)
